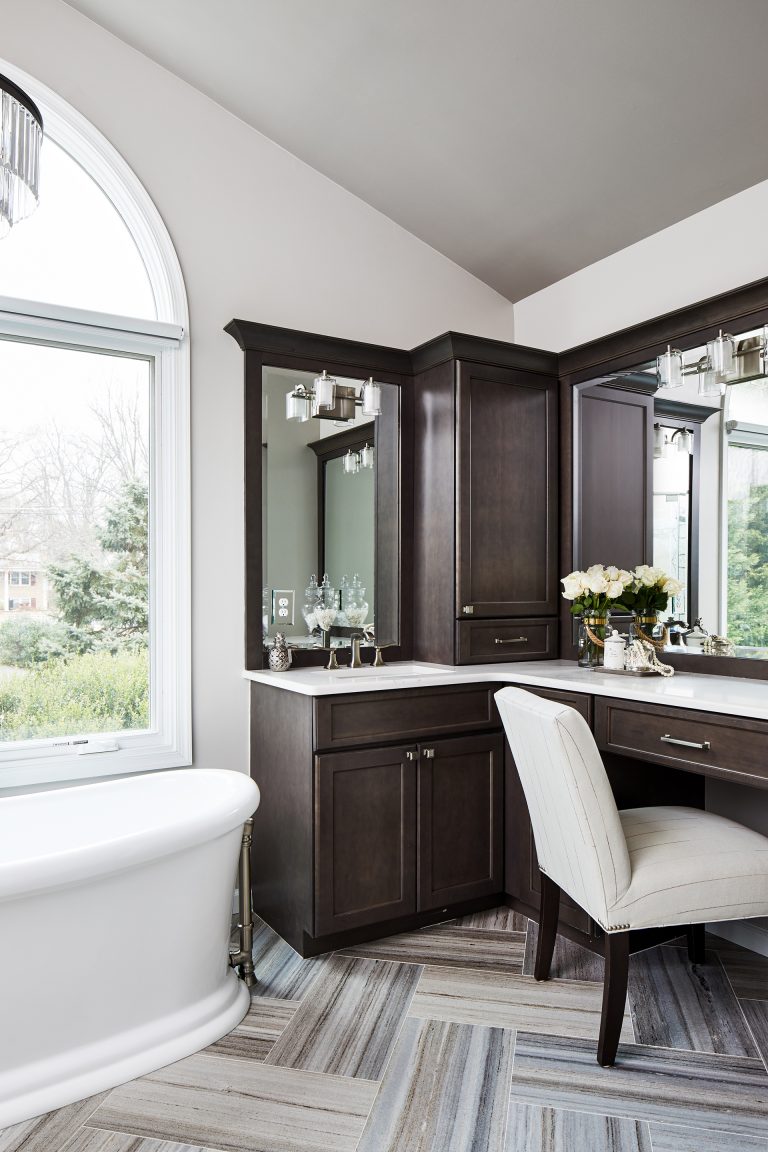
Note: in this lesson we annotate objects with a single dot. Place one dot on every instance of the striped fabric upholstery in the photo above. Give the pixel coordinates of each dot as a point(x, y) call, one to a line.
point(579, 838)
point(640, 868)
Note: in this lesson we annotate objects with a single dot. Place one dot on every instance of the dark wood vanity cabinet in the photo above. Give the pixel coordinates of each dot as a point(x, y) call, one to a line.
point(485, 508)
point(378, 809)
point(406, 829)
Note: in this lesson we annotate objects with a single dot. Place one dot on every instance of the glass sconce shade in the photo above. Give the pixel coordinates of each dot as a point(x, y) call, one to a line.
point(371, 397)
point(711, 383)
point(684, 440)
point(325, 391)
point(658, 441)
point(297, 405)
point(366, 457)
point(670, 368)
point(351, 462)
point(720, 352)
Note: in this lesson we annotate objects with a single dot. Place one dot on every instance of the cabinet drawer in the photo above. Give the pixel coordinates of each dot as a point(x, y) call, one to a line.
point(731, 747)
point(488, 641)
point(407, 714)
point(578, 700)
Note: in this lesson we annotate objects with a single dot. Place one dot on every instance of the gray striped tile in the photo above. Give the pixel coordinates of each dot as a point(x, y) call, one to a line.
point(501, 919)
point(756, 1012)
point(533, 1129)
point(692, 1089)
point(747, 971)
point(52, 1130)
point(665, 1138)
point(569, 961)
point(348, 1026)
point(562, 1007)
point(281, 973)
point(450, 946)
point(676, 1004)
point(239, 1106)
point(446, 1088)
point(255, 1036)
point(94, 1140)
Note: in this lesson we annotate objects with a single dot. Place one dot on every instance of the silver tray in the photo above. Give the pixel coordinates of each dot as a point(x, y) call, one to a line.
point(626, 671)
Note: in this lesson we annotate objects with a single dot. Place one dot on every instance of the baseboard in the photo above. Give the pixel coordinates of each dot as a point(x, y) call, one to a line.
point(742, 932)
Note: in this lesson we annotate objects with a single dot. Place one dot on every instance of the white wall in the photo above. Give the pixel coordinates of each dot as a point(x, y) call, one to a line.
point(712, 252)
point(716, 250)
point(260, 236)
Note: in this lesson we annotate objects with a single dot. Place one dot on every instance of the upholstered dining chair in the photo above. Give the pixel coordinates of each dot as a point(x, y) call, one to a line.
point(639, 868)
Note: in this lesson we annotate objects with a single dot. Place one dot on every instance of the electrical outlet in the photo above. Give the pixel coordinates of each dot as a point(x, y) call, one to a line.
point(283, 601)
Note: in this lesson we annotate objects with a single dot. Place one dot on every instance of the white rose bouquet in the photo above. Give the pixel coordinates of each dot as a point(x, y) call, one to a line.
point(651, 589)
point(597, 590)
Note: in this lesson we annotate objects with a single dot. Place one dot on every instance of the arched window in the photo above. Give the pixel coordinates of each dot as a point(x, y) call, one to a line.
point(94, 471)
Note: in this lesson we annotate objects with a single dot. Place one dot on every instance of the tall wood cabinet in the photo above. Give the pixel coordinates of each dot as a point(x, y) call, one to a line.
point(485, 507)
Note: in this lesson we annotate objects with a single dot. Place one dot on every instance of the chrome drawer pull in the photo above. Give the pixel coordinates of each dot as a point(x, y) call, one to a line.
point(667, 739)
point(517, 640)
point(411, 756)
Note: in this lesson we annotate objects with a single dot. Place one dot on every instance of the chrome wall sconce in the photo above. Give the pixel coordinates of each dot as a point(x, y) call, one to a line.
point(329, 400)
point(354, 461)
point(723, 363)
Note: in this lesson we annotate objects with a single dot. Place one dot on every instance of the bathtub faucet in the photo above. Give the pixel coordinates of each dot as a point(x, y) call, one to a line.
point(242, 960)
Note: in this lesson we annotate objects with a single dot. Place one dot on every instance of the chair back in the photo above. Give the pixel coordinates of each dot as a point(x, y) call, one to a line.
point(576, 827)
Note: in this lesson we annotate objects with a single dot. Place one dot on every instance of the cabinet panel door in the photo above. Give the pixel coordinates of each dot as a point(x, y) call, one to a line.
point(461, 819)
point(507, 493)
point(365, 837)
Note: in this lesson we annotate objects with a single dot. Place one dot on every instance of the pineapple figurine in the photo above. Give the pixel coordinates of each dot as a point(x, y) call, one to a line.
point(279, 654)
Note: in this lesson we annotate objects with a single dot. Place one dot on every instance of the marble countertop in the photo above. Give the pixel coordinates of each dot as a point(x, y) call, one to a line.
point(725, 694)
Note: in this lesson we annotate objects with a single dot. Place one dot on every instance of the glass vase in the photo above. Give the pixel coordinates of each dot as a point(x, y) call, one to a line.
point(641, 627)
point(591, 640)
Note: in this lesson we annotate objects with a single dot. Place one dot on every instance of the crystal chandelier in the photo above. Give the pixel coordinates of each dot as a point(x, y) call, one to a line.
point(21, 132)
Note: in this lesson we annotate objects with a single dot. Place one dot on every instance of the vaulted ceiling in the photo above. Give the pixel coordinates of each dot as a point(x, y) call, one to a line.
point(524, 139)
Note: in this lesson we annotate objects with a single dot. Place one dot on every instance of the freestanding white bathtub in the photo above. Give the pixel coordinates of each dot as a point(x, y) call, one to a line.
point(115, 911)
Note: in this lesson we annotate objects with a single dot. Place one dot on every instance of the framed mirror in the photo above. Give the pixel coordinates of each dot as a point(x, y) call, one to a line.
point(677, 477)
point(291, 531)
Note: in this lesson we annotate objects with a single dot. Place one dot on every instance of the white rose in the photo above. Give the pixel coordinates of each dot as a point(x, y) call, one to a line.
point(625, 577)
point(572, 586)
point(595, 570)
point(597, 582)
point(615, 589)
point(611, 572)
point(671, 586)
point(649, 577)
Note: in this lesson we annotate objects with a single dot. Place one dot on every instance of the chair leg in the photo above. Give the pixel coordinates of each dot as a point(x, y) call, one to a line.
point(548, 911)
point(614, 996)
point(696, 946)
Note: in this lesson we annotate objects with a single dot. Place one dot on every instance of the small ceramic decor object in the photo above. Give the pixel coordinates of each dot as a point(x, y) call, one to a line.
point(614, 646)
point(279, 654)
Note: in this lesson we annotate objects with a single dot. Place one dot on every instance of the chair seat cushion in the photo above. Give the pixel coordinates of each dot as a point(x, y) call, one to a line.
point(689, 867)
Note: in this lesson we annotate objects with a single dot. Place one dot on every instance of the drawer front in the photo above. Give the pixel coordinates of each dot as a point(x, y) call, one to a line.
point(408, 714)
point(578, 700)
point(488, 641)
point(730, 747)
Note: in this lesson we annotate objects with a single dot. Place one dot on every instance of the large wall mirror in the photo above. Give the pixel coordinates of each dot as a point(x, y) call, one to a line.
point(330, 489)
point(677, 476)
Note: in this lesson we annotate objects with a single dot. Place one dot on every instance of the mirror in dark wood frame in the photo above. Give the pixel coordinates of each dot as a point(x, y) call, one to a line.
point(678, 479)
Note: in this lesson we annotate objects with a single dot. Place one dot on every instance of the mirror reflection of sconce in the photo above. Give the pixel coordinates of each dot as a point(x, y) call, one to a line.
point(719, 366)
point(681, 440)
point(354, 461)
point(329, 400)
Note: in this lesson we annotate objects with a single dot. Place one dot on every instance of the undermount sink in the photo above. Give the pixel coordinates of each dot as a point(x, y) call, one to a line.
point(406, 669)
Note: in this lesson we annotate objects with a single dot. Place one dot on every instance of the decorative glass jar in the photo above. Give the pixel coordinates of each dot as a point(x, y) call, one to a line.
point(591, 640)
point(644, 626)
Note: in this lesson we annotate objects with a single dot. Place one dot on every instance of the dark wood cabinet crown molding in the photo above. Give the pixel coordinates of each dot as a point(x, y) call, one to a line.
point(687, 327)
point(496, 353)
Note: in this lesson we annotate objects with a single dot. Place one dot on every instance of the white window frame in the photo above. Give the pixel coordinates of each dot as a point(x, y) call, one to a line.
point(165, 341)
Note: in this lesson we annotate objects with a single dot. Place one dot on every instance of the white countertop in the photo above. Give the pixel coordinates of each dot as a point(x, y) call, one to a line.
point(729, 695)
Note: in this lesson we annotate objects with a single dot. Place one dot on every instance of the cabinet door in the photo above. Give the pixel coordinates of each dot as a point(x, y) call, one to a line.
point(507, 493)
point(460, 820)
point(365, 837)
